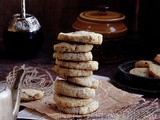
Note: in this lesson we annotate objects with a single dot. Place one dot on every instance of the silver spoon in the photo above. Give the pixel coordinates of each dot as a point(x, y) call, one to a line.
point(23, 8)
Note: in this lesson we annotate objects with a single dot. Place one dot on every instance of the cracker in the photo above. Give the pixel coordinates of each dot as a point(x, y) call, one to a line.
point(73, 56)
point(143, 63)
point(88, 65)
point(84, 81)
point(71, 72)
point(82, 37)
point(31, 94)
point(65, 101)
point(154, 70)
point(66, 88)
point(68, 47)
point(140, 72)
point(157, 58)
point(89, 108)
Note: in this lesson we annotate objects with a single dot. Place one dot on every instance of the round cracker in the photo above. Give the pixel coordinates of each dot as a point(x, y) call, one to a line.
point(68, 47)
point(82, 37)
point(67, 88)
point(65, 101)
point(73, 56)
point(89, 108)
point(88, 65)
point(71, 72)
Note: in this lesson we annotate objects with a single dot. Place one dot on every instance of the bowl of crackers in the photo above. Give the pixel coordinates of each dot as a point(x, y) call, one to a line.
point(141, 74)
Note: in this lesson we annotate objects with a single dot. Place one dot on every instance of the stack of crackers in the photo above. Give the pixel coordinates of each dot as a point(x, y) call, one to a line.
point(75, 87)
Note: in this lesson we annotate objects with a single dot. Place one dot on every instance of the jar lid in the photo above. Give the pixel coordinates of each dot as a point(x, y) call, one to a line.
point(101, 16)
point(109, 24)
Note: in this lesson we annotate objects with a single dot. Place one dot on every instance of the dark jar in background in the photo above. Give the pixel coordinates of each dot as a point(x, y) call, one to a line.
point(111, 25)
point(23, 37)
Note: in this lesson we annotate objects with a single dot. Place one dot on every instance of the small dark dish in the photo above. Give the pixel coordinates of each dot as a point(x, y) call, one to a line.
point(143, 85)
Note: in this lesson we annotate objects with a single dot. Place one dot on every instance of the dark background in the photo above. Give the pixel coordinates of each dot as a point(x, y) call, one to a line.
point(142, 19)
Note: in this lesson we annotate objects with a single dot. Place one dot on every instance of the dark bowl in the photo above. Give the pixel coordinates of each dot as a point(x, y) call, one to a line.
point(135, 82)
